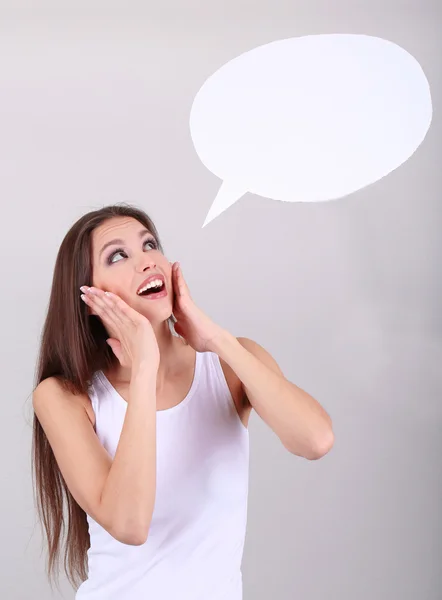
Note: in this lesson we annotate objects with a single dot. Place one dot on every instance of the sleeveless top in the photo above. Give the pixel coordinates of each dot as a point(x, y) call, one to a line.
point(196, 537)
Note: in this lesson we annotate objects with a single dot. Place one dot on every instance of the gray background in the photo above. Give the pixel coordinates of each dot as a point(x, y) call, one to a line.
point(94, 106)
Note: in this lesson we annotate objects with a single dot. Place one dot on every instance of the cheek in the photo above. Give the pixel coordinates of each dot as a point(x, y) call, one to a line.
point(117, 279)
point(98, 278)
point(107, 283)
point(163, 263)
point(99, 282)
point(170, 278)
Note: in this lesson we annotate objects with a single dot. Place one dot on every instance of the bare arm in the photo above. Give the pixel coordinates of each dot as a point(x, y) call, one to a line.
point(128, 495)
point(300, 422)
point(119, 494)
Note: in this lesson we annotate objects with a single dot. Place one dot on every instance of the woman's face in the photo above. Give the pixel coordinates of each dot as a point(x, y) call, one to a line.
point(124, 255)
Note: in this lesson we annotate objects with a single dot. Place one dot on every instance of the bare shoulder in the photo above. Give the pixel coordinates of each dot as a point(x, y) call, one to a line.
point(51, 391)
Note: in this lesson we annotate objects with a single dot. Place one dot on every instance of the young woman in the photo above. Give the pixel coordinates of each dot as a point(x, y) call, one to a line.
point(140, 432)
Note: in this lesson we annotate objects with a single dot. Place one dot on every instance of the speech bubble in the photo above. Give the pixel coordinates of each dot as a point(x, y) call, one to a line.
point(310, 119)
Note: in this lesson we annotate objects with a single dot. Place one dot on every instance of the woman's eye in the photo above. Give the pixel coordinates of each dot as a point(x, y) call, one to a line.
point(112, 256)
point(111, 260)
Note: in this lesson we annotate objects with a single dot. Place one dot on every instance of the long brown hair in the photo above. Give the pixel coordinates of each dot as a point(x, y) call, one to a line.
point(73, 346)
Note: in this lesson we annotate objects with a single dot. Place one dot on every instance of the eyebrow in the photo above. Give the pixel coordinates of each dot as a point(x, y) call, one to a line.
point(141, 234)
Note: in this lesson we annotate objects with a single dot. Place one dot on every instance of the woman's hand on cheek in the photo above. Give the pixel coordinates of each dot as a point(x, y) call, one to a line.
point(132, 338)
point(192, 323)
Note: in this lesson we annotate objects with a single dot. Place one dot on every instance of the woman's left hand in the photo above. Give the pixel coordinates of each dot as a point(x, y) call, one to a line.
point(192, 323)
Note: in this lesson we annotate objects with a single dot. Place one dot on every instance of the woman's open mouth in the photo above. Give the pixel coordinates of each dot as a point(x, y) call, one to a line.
point(153, 290)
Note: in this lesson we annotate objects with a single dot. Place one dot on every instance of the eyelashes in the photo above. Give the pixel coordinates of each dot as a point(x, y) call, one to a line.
point(110, 260)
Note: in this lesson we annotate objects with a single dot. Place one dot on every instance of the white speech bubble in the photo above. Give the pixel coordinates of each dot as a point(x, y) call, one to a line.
point(310, 119)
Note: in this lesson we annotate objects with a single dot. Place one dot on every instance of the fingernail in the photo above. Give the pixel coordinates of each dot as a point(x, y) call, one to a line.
point(83, 297)
point(83, 288)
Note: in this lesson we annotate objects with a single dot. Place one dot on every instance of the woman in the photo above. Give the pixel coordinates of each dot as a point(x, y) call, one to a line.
point(144, 432)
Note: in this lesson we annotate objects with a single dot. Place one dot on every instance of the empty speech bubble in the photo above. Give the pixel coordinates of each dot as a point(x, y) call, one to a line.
point(310, 119)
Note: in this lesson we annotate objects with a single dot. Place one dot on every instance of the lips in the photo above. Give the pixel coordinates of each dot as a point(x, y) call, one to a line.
point(149, 279)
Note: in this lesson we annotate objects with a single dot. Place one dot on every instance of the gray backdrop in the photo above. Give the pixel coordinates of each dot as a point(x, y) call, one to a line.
point(94, 106)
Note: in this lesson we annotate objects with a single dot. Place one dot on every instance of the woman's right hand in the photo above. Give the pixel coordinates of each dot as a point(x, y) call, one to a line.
point(133, 340)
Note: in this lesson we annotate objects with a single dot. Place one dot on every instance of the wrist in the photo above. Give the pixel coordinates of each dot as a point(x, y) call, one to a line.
point(144, 371)
point(222, 342)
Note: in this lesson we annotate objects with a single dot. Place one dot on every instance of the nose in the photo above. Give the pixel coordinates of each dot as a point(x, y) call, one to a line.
point(145, 262)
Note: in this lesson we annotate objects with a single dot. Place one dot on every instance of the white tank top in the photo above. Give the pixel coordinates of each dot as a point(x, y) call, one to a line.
point(196, 538)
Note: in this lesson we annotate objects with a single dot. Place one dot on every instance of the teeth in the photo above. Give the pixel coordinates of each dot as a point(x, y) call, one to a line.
point(154, 283)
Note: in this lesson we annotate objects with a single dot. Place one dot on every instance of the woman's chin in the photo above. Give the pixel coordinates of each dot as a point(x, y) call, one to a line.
point(155, 313)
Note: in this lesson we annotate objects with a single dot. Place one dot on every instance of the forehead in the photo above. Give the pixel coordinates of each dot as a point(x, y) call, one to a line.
point(116, 227)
